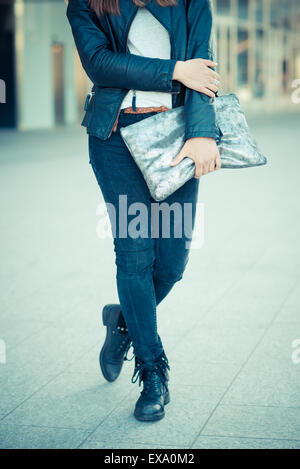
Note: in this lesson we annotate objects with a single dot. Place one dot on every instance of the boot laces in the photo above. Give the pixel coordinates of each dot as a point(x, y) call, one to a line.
point(127, 348)
point(148, 373)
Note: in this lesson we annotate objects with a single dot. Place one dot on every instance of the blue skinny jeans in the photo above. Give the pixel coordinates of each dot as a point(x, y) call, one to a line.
point(149, 261)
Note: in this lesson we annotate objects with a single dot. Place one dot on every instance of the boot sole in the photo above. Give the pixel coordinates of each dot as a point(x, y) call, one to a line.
point(156, 417)
point(105, 320)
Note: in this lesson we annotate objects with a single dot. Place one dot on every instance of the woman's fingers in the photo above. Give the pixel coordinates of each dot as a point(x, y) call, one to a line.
point(200, 76)
point(215, 75)
point(209, 63)
point(213, 81)
point(213, 87)
point(207, 91)
point(178, 158)
point(202, 170)
point(212, 74)
point(202, 89)
point(205, 168)
point(218, 162)
point(198, 171)
point(212, 166)
point(214, 78)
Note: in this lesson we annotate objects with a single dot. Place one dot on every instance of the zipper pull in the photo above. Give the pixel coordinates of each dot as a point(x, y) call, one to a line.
point(134, 100)
point(87, 101)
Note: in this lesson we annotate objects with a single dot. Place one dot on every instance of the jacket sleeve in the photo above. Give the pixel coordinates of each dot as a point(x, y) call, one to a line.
point(200, 114)
point(113, 69)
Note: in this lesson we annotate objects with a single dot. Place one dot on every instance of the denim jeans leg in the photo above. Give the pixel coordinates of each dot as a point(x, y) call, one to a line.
point(171, 254)
point(118, 175)
point(137, 297)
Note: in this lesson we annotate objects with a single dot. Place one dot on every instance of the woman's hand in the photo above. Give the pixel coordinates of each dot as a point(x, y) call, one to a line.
point(204, 152)
point(198, 75)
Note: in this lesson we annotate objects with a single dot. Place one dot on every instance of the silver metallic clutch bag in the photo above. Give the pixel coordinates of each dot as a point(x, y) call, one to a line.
point(155, 141)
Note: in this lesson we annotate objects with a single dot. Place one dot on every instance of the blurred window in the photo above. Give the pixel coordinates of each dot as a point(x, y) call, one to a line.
point(259, 85)
point(228, 50)
point(58, 81)
point(243, 56)
point(223, 37)
point(259, 11)
point(243, 9)
point(223, 7)
point(275, 13)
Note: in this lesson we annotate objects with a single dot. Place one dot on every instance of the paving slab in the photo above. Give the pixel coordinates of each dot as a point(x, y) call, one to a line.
point(266, 383)
point(30, 437)
point(255, 422)
point(184, 418)
point(72, 400)
point(211, 442)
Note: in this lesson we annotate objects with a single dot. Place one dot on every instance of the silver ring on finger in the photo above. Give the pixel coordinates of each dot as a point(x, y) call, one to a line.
point(216, 82)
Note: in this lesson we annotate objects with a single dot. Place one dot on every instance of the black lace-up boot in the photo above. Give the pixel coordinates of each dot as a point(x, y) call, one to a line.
point(155, 394)
point(117, 342)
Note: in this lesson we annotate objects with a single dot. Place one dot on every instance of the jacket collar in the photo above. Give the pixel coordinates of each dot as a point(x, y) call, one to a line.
point(162, 14)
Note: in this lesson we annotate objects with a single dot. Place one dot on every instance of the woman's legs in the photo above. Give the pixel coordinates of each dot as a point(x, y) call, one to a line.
point(147, 267)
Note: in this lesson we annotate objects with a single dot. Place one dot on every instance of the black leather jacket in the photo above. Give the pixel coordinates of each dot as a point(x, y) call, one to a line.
point(102, 47)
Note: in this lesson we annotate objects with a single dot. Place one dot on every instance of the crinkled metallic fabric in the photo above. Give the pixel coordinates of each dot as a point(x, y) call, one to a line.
point(155, 141)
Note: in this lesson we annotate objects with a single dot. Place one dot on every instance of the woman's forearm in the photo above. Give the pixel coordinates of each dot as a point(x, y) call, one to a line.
point(129, 71)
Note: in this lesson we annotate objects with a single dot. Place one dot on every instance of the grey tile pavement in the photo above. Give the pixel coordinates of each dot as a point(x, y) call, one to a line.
point(119, 445)
point(35, 362)
point(204, 373)
point(266, 383)
point(228, 327)
point(72, 400)
point(217, 344)
point(277, 343)
point(28, 437)
point(211, 442)
point(289, 313)
point(185, 418)
point(255, 422)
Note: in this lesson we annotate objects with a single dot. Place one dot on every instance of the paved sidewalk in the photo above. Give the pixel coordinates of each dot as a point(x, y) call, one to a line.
point(228, 327)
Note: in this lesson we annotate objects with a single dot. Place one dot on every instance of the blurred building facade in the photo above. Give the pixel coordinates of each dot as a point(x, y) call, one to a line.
point(258, 48)
point(258, 51)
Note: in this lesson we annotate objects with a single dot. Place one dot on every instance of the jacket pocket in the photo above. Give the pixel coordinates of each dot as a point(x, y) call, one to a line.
point(102, 111)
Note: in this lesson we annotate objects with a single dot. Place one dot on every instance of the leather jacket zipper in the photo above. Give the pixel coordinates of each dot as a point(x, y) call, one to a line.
point(117, 114)
point(88, 99)
point(134, 100)
point(128, 51)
